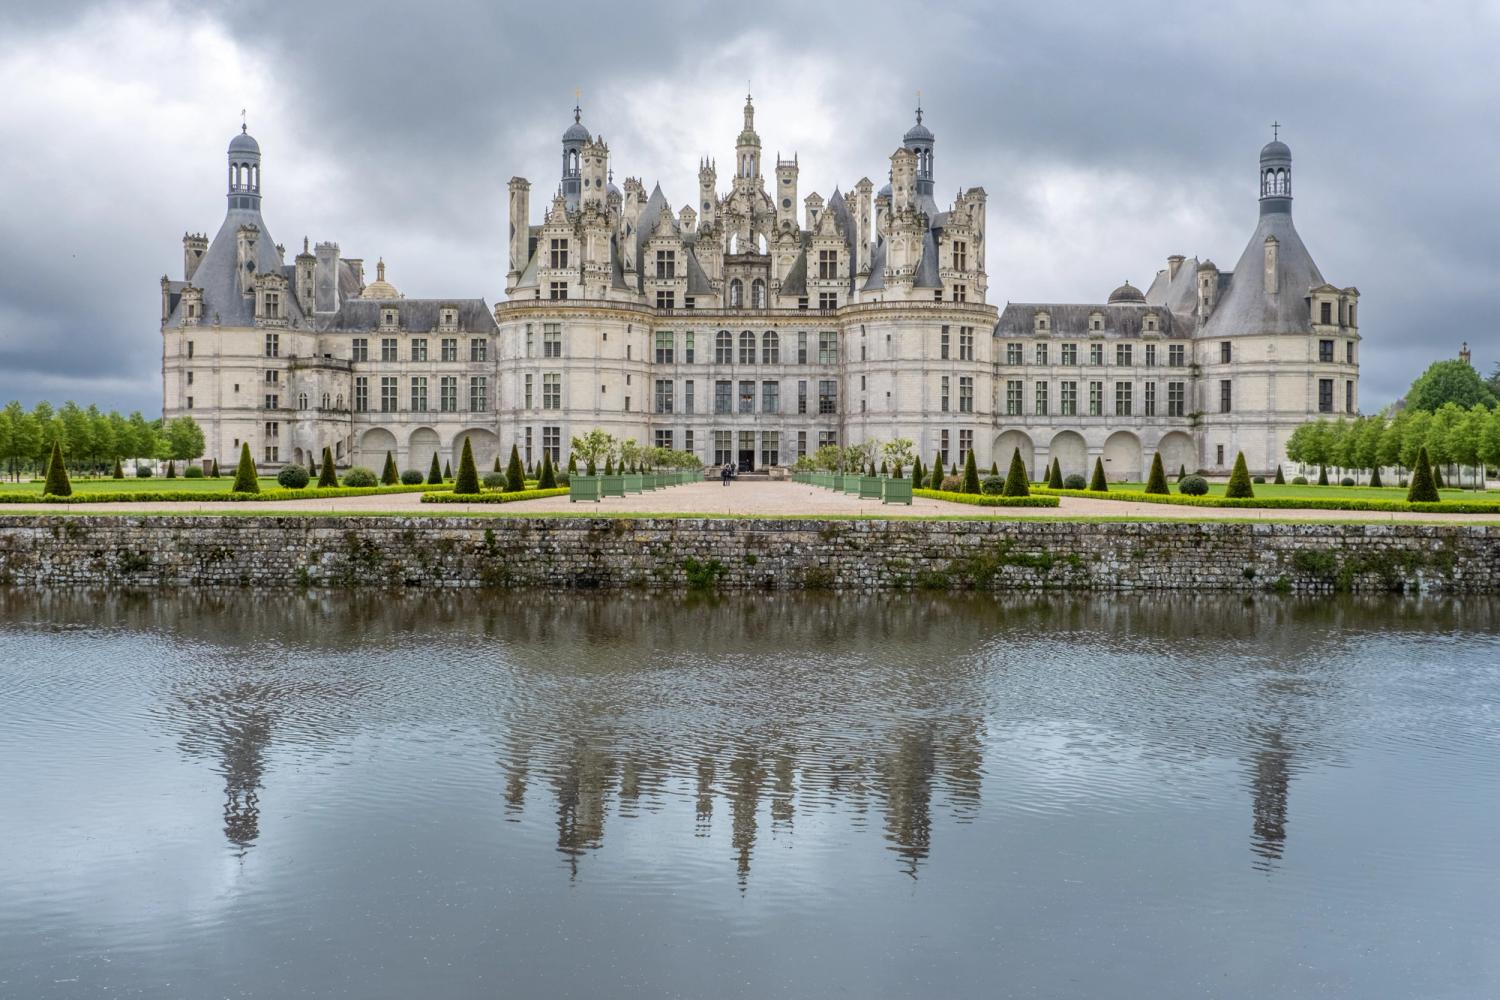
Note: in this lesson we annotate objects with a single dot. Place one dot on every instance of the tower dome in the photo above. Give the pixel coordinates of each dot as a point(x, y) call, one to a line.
point(1275, 176)
point(244, 143)
point(919, 139)
point(1126, 294)
point(573, 141)
point(244, 172)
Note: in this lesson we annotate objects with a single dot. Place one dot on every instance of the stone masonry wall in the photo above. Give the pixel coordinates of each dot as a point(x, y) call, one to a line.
point(577, 553)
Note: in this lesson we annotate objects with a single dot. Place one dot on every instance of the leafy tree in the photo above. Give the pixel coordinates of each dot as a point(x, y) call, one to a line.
point(515, 476)
point(971, 473)
point(144, 441)
point(184, 438)
point(388, 474)
point(1423, 488)
point(1465, 439)
point(20, 444)
point(1016, 484)
point(328, 476)
point(1055, 477)
point(1098, 483)
point(1156, 482)
point(435, 473)
point(468, 476)
point(900, 452)
point(57, 474)
point(1239, 487)
point(547, 478)
point(1451, 381)
point(1489, 440)
point(1414, 425)
point(245, 480)
point(594, 448)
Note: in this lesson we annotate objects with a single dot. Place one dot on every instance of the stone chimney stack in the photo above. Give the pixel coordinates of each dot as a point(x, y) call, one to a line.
point(194, 246)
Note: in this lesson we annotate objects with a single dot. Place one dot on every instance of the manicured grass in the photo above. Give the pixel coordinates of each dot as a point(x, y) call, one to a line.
point(156, 484)
point(1293, 491)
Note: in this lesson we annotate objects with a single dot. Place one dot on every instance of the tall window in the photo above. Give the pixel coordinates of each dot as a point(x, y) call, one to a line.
point(552, 390)
point(828, 348)
point(736, 293)
point(1096, 399)
point(1041, 354)
point(1148, 400)
point(558, 254)
point(1096, 354)
point(723, 447)
point(479, 393)
point(557, 291)
point(1013, 354)
point(664, 347)
point(943, 445)
point(722, 396)
point(828, 265)
point(966, 343)
point(666, 263)
point(1225, 352)
point(389, 349)
point(1124, 398)
point(663, 438)
point(663, 395)
point(828, 396)
point(828, 300)
point(965, 442)
point(770, 348)
point(552, 443)
point(965, 394)
point(1175, 355)
point(1013, 397)
point(479, 349)
point(1176, 399)
point(551, 340)
point(361, 394)
point(802, 396)
point(758, 294)
point(526, 391)
point(1067, 399)
point(770, 448)
point(666, 299)
point(1348, 396)
point(1349, 352)
point(770, 397)
point(1327, 312)
point(747, 396)
point(1325, 350)
point(687, 347)
point(802, 348)
point(747, 347)
point(723, 348)
point(448, 394)
point(419, 349)
point(687, 396)
point(960, 255)
point(944, 394)
point(1226, 397)
point(1123, 355)
point(387, 394)
point(1150, 355)
point(1041, 399)
point(943, 345)
point(419, 394)
point(273, 345)
point(1325, 395)
point(1070, 354)
point(450, 348)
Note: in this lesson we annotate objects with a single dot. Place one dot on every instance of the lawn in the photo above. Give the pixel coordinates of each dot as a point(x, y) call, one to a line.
point(155, 484)
point(1327, 492)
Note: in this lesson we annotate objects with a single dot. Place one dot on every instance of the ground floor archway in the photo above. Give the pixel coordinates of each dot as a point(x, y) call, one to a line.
point(1122, 458)
point(485, 445)
point(1177, 452)
point(1072, 453)
point(373, 445)
point(1007, 444)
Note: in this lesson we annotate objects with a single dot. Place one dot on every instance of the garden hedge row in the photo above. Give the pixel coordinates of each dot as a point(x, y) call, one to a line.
point(1284, 503)
point(194, 496)
point(494, 496)
point(983, 500)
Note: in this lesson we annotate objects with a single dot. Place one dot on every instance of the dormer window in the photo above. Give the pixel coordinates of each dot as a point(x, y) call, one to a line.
point(666, 264)
point(1042, 322)
point(558, 254)
point(1096, 322)
point(448, 318)
point(388, 319)
point(1150, 323)
point(960, 255)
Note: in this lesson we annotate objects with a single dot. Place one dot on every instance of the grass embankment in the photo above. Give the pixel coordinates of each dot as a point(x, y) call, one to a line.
point(494, 496)
point(1290, 497)
point(194, 491)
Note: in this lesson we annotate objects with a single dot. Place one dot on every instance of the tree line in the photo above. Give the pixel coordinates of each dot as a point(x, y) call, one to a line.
point(1455, 438)
point(92, 439)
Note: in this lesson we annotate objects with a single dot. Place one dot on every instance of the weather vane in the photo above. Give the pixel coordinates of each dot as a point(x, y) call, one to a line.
point(919, 107)
point(1275, 131)
point(243, 125)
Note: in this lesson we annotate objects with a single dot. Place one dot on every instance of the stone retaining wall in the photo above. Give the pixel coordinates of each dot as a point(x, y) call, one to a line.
point(728, 554)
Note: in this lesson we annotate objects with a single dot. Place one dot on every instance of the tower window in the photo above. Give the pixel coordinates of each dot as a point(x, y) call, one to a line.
point(960, 255)
point(828, 265)
point(558, 256)
point(666, 264)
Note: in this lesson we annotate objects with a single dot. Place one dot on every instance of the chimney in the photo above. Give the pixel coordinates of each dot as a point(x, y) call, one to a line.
point(1174, 264)
point(1273, 280)
point(194, 246)
point(326, 277)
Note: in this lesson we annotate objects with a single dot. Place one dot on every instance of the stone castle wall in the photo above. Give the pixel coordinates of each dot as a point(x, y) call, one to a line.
point(561, 553)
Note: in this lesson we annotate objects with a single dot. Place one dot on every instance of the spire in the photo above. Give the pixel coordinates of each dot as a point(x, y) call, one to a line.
point(1275, 175)
point(244, 170)
point(919, 107)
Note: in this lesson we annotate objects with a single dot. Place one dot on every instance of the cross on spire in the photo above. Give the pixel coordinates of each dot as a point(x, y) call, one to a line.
point(919, 107)
point(243, 125)
point(1275, 131)
point(577, 104)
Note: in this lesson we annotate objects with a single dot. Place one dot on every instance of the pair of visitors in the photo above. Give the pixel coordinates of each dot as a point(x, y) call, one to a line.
point(725, 473)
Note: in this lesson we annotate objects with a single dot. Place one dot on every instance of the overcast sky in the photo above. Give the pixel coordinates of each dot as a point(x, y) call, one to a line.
point(1107, 138)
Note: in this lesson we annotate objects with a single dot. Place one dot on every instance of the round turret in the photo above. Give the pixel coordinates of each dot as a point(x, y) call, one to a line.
point(1126, 294)
point(244, 172)
point(1275, 178)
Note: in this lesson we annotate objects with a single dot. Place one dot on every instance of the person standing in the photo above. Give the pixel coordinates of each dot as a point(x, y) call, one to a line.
point(724, 474)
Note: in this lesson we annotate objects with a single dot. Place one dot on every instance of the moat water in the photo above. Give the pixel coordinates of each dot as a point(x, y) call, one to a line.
point(376, 796)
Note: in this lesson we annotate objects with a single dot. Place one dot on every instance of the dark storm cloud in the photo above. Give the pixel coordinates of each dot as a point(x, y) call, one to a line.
point(1151, 116)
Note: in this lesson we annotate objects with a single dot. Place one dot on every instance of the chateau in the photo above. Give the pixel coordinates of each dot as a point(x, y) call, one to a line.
point(752, 326)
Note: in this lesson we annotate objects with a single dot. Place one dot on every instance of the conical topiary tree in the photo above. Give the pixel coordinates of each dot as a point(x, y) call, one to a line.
point(547, 478)
point(58, 483)
point(1239, 487)
point(609, 465)
point(1016, 484)
point(1181, 473)
point(515, 475)
point(1098, 483)
point(1422, 489)
point(995, 467)
point(916, 474)
point(971, 473)
point(1156, 482)
point(497, 461)
point(171, 469)
point(328, 476)
point(1054, 476)
point(435, 473)
point(215, 472)
point(447, 470)
point(245, 480)
point(884, 470)
point(388, 474)
point(1437, 477)
point(1280, 479)
point(119, 472)
point(1375, 476)
point(937, 473)
point(1322, 475)
point(572, 464)
point(468, 475)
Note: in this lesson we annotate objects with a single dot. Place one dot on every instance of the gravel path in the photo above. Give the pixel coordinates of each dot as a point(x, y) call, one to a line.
point(761, 498)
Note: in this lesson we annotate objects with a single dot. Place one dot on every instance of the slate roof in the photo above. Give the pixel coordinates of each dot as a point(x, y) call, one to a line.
point(1018, 319)
point(222, 300)
point(1245, 307)
point(415, 315)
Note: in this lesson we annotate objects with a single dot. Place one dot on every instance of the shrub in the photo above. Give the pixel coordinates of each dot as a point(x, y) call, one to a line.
point(215, 472)
point(467, 482)
point(388, 474)
point(293, 477)
point(935, 481)
point(1016, 484)
point(1181, 473)
point(1075, 482)
point(563, 479)
point(447, 470)
point(359, 476)
point(494, 481)
point(1346, 481)
point(191, 472)
point(994, 468)
point(1437, 477)
point(244, 474)
point(1239, 487)
point(328, 476)
point(412, 477)
point(1055, 477)
point(497, 459)
point(971, 473)
point(58, 484)
point(1299, 480)
point(1280, 480)
point(143, 472)
point(547, 478)
point(952, 484)
point(118, 473)
point(1098, 483)
point(171, 470)
point(1258, 480)
point(1193, 486)
point(515, 476)
point(992, 486)
point(1156, 482)
point(1423, 484)
point(981, 500)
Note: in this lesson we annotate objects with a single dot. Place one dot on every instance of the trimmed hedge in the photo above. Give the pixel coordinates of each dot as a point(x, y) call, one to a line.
point(186, 496)
point(1287, 503)
point(979, 500)
point(493, 497)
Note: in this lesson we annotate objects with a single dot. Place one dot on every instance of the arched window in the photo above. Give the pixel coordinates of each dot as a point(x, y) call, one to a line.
point(302, 401)
point(255, 177)
point(758, 294)
point(724, 348)
point(325, 400)
point(572, 162)
point(736, 293)
point(340, 405)
point(747, 348)
point(770, 349)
